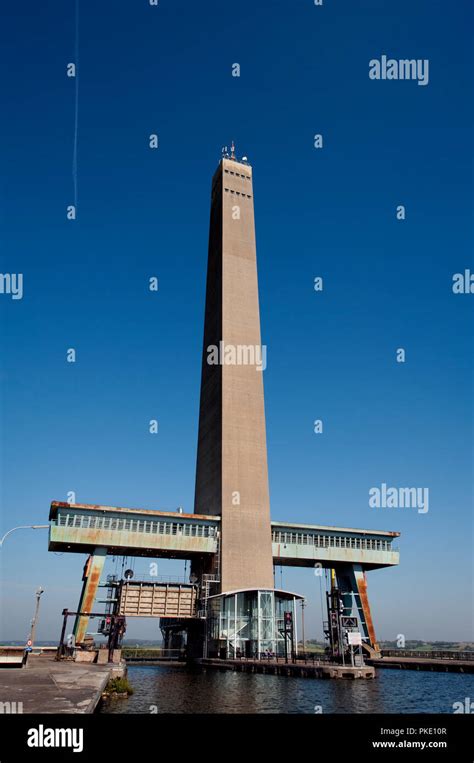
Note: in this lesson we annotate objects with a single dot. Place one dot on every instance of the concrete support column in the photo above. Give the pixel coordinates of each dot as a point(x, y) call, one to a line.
point(91, 579)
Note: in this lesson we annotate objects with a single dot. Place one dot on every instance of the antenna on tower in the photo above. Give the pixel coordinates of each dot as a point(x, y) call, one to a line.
point(232, 151)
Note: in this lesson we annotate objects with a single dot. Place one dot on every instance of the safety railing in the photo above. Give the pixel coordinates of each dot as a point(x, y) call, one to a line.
point(331, 541)
point(118, 524)
point(309, 658)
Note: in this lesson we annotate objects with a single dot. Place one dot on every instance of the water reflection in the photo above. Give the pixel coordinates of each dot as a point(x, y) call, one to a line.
point(179, 690)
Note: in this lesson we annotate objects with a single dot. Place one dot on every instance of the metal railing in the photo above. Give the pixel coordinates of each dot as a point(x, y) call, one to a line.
point(139, 578)
point(331, 541)
point(308, 658)
point(119, 524)
point(137, 654)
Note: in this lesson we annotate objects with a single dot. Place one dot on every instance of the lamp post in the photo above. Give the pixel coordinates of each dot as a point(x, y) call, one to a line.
point(34, 622)
point(303, 604)
point(22, 527)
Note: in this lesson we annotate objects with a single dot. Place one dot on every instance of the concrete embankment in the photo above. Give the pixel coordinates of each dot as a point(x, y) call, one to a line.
point(300, 669)
point(47, 686)
point(422, 663)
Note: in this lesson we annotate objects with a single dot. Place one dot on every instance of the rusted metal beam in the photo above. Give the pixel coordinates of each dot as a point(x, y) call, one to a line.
point(361, 582)
point(91, 579)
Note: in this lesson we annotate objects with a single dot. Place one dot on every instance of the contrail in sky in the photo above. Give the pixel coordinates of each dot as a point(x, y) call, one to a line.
point(76, 108)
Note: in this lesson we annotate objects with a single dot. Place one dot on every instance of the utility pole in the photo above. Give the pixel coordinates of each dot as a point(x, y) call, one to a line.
point(34, 622)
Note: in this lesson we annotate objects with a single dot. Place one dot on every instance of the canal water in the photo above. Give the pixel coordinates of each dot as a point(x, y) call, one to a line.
point(168, 689)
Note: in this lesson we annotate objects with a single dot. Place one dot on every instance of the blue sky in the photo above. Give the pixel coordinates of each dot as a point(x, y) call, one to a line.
point(327, 212)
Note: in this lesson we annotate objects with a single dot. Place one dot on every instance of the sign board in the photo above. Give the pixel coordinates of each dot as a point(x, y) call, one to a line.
point(349, 622)
point(354, 638)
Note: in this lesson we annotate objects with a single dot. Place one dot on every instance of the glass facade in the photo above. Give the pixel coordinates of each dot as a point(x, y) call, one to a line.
point(250, 623)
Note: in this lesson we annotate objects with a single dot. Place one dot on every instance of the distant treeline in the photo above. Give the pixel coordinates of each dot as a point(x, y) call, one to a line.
point(412, 644)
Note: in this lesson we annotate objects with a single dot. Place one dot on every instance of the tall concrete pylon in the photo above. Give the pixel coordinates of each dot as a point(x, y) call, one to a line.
point(232, 471)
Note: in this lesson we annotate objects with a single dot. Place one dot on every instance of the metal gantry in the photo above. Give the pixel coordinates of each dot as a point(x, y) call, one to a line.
point(101, 531)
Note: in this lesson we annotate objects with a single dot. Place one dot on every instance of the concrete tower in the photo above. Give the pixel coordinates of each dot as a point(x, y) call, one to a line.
point(232, 472)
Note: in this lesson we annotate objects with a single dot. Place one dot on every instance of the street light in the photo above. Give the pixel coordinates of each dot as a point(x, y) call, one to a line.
point(23, 527)
point(303, 604)
point(34, 622)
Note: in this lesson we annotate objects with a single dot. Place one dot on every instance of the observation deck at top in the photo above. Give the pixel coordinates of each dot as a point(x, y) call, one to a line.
point(81, 528)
